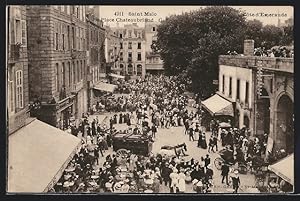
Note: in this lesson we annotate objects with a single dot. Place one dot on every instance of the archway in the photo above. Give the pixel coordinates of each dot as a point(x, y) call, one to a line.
point(130, 69)
point(246, 121)
point(285, 124)
point(263, 113)
point(139, 69)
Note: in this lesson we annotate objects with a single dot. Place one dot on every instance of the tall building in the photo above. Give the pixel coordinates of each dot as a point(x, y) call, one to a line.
point(131, 56)
point(29, 139)
point(57, 49)
point(113, 55)
point(261, 90)
point(154, 64)
point(96, 53)
point(17, 69)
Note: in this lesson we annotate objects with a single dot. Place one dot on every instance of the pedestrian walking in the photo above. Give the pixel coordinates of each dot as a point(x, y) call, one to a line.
point(235, 181)
point(191, 134)
point(154, 130)
point(206, 161)
point(225, 172)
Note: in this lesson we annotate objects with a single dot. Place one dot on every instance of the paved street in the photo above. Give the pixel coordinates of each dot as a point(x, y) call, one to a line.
point(174, 136)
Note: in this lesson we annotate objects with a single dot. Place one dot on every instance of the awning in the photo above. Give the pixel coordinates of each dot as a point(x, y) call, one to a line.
point(37, 156)
point(284, 168)
point(105, 87)
point(217, 105)
point(117, 76)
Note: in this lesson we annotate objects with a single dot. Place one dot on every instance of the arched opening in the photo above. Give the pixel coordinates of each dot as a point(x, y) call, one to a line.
point(139, 69)
point(285, 124)
point(130, 69)
point(246, 121)
point(122, 72)
point(263, 113)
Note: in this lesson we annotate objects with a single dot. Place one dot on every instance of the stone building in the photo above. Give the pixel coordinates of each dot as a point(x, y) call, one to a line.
point(113, 55)
point(57, 62)
point(96, 53)
point(154, 64)
point(17, 69)
point(131, 56)
point(262, 92)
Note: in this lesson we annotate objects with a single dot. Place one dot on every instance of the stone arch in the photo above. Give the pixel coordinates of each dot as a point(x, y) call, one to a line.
point(284, 122)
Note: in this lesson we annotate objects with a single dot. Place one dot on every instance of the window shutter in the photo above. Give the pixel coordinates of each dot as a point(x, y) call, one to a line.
point(23, 32)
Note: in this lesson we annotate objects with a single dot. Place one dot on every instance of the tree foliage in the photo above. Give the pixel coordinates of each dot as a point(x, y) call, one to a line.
point(191, 43)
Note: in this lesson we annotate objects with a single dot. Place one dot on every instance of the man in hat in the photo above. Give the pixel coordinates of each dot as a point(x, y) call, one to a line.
point(224, 173)
point(235, 181)
point(191, 133)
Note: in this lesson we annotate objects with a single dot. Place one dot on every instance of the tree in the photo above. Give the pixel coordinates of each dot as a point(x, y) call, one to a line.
point(253, 31)
point(191, 43)
point(271, 36)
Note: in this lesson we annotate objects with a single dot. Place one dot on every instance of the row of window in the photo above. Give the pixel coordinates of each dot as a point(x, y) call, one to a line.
point(69, 73)
point(237, 89)
point(78, 11)
point(65, 40)
point(139, 56)
point(137, 34)
point(95, 36)
point(139, 45)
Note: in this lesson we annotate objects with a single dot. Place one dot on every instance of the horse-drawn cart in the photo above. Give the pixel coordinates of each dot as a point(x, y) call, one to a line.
point(135, 143)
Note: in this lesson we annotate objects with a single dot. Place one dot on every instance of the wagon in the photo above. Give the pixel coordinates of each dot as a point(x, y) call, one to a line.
point(135, 143)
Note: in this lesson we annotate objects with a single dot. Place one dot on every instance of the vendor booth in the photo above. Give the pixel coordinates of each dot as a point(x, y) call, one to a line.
point(217, 108)
point(105, 87)
point(37, 156)
point(283, 170)
point(117, 76)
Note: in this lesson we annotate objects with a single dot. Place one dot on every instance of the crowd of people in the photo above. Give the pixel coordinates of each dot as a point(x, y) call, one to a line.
point(156, 102)
point(277, 51)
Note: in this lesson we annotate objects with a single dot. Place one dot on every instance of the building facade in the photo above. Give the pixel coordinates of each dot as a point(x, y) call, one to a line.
point(262, 90)
point(57, 49)
point(96, 53)
point(154, 64)
point(113, 55)
point(17, 69)
point(131, 55)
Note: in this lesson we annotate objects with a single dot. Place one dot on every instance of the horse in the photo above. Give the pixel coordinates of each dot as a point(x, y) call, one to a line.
point(178, 149)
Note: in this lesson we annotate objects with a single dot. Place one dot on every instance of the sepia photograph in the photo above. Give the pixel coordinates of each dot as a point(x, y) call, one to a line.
point(119, 99)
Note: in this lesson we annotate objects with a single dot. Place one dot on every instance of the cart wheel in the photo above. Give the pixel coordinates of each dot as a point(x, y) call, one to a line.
point(121, 153)
point(218, 163)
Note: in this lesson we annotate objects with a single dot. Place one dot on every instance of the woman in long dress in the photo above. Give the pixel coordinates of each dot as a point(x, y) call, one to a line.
point(181, 181)
point(174, 180)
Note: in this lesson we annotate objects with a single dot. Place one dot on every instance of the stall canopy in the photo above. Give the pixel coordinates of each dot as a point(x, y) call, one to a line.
point(284, 168)
point(105, 87)
point(37, 156)
point(217, 105)
point(117, 76)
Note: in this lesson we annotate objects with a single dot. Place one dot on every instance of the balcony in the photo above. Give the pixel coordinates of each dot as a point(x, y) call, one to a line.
point(272, 63)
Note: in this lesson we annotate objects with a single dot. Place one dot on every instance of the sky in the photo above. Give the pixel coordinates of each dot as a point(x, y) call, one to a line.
point(111, 14)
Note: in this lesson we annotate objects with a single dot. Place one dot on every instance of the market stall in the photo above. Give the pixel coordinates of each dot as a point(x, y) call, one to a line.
point(284, 169)
point(37, 156)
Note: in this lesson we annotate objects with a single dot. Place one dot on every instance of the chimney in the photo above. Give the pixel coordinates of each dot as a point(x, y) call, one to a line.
point(248, 47)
